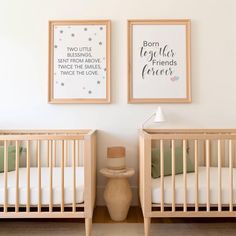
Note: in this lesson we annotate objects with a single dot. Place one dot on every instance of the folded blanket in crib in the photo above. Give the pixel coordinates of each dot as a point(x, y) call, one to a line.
point(167, 162)
point(11, 156)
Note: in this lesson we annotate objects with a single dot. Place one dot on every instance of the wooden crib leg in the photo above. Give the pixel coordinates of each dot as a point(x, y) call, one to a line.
point(147, 222)
point(88, 226)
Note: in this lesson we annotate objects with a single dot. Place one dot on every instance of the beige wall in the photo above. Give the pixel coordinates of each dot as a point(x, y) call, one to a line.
point(24, 55)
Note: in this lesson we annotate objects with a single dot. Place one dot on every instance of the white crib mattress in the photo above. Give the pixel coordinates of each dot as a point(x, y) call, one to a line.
point(202, 193)
point(45, 191)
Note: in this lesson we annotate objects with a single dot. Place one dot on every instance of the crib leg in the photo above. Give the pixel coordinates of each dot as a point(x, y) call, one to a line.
point(147, 222)
point(88, 226)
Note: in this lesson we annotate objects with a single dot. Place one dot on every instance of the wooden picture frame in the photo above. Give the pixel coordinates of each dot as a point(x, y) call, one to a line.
point(159, 61)
point(79, 61)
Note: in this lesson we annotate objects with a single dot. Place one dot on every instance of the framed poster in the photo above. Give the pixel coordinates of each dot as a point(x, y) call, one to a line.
point(79, 61)
point(159, 61)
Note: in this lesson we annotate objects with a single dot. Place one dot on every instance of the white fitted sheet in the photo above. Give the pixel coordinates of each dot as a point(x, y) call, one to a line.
point(45, 191)
point(202, 193)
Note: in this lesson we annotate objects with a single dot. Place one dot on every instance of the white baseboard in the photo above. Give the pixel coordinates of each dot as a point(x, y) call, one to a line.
point(100, 200)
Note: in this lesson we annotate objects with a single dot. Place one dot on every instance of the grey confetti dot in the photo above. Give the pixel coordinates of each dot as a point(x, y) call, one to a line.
point(83, 88)
point(62, 84)
point(59, 39)
point(72, 35)
point(100, 43)
point(61, 31)
point(98, 82)
point(89, 91)
point(56, 82)
point(55, 46)
point(90, 39)
point(105, 69)
point(103, 77)
point(85, 29)
point(103, 58)
point(95, 34)
point(101, 28)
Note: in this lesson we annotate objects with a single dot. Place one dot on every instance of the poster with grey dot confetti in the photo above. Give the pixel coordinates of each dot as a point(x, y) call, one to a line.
point(79, 62)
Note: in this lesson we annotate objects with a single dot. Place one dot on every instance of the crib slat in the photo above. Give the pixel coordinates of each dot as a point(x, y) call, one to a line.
point(66, 153)
point(219, 173)
point(5, 176)
point(50, 176)
point(39, 174)
point(28, 174)
point(54, 152)
point(78, 154)
point(162, 174)
point(48, 153)
point(208, 173)
point(74, 176)
point(230, 177)
point(196, 173)
point(185, 175)
point(222, 152)
point(17, 177)
point(204, 152)
point(173, 173)
point(62, 174)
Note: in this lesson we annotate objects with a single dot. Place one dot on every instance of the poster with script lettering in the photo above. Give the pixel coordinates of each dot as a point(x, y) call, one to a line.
point(159, 61)
point(79, 61)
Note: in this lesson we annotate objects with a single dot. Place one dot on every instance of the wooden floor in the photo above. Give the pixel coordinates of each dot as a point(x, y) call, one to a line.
point(132, 226)
point(101, 215)
point(124, 229)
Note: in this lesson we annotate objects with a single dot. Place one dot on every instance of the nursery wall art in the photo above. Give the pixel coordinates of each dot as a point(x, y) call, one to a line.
point(79, 61)
point(159, 61)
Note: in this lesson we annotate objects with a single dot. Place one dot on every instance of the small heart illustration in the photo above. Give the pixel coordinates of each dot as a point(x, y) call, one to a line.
point(175, 78)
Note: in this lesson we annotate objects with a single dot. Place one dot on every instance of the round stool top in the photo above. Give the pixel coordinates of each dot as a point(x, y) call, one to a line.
point(128, 172)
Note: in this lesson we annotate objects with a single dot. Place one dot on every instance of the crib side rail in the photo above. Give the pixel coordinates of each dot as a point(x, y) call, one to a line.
point(224, 149)
point(32, 137)
point(55, 131)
